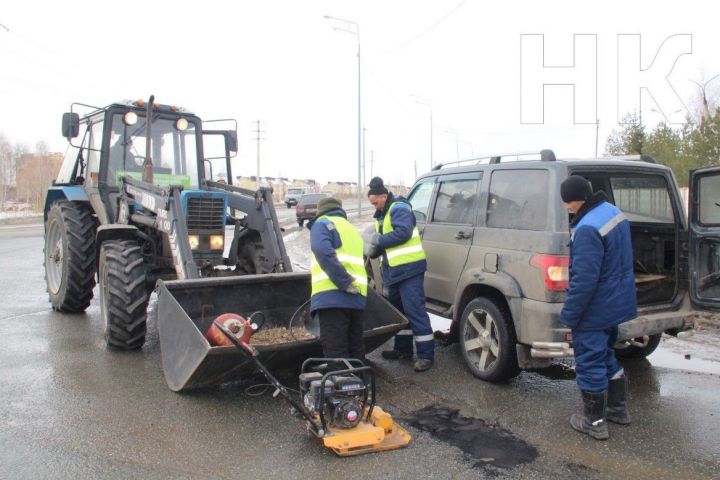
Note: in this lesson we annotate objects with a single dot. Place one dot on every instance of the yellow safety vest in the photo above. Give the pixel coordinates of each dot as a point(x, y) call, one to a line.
point(408, 252)
point(350, 255)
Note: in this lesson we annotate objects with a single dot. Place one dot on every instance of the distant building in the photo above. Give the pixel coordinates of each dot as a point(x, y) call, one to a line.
point(34, 174)
point(279, 185)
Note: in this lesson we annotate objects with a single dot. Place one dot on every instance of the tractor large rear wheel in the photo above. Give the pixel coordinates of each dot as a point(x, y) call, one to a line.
point(123, 294)
point(70, 256)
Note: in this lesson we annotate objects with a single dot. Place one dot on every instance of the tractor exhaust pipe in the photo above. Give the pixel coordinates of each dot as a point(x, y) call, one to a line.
point(147, 169)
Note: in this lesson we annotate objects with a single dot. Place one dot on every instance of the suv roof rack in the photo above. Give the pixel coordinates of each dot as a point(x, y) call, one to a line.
point(636, 158)
point(546, 155)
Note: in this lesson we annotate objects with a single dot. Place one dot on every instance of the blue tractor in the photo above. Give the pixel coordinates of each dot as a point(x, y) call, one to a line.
point(136, 201)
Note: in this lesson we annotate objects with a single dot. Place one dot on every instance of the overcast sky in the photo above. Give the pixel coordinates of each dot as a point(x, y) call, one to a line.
point(283, 63)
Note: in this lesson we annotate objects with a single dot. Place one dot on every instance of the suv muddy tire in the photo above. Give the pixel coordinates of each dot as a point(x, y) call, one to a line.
point(70, 256)
point(123, 294)
point(487, 341)
point(631, 351)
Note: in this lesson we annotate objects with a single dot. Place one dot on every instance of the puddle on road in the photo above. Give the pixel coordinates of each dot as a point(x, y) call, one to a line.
point(665, 358)
point(486, 444)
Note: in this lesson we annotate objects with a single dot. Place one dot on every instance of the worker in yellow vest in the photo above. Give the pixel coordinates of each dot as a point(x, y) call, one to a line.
point(339, 281)
point(397, 240)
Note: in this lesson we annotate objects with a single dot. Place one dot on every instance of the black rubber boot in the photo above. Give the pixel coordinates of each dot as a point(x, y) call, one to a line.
point(396, 355)
point(592, 421)
point(617, 411)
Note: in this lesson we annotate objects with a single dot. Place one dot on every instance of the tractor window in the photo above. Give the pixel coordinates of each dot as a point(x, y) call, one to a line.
point(93, 143)
point(174, 152)
point(215, 168)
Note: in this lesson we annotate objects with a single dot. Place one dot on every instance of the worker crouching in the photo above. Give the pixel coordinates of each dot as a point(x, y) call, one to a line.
point(339, 281)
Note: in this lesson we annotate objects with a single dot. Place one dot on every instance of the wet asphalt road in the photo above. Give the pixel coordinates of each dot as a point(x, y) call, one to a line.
point(70, 408)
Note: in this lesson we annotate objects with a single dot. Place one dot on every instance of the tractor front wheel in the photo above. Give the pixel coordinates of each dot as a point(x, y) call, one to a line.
point(123, 294)
point(70, 256)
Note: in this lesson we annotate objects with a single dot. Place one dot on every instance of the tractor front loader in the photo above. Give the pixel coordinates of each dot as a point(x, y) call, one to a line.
point(140, 203)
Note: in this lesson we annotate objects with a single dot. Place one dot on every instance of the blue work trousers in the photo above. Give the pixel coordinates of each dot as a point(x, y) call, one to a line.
point(408, 296)
point(595, 361)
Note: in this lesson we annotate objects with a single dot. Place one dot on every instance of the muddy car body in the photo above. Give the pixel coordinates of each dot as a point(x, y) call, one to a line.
point(495, 233)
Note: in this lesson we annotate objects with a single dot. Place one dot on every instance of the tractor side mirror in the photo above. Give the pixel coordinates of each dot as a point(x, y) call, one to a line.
point(232, 141)
point(70, 125)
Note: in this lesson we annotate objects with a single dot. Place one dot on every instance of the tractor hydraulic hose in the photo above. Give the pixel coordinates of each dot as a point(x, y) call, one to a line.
point(292, 317)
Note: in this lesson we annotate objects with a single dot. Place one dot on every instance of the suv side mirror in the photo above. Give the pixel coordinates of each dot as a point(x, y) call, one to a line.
point(70, 125)
point(232, 140)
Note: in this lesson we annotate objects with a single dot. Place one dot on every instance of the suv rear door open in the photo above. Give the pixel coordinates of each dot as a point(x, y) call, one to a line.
point(704, 220)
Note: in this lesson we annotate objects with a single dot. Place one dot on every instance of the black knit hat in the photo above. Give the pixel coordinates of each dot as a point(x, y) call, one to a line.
point(575, 188)
point(327, 204)
point(377, 187)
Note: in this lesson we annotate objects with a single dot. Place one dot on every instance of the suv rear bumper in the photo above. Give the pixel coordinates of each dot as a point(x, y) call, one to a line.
point(540, 327)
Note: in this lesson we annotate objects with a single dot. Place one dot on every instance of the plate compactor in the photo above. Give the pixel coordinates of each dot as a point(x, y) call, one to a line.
point(337, 399)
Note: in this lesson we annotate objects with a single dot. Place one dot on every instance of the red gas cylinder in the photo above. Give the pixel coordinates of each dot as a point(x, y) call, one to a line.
point(236, 324)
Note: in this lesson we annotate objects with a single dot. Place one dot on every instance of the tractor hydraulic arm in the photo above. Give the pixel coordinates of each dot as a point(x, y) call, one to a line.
point(166, 218)
point(261, 217)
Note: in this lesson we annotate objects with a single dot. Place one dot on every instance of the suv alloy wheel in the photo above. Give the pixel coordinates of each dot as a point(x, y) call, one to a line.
point(487, 341)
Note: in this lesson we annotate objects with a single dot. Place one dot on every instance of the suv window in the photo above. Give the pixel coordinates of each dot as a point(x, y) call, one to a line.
point(456, 202)
point(518, 199)
point(420, 199)
point(643, 198)
point(708, 210)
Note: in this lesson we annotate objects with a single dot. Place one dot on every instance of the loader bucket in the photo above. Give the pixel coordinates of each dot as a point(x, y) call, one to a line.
point(186, 309)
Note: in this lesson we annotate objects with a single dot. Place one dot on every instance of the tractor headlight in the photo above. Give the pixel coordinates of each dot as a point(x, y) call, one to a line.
point(130, 118)
point(194, 241)
point(181, 124)
point(217, 242)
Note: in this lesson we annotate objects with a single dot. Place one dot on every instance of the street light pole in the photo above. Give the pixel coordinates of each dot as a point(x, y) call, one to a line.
point(356, 32)
point(426, 102)
point(364, 160)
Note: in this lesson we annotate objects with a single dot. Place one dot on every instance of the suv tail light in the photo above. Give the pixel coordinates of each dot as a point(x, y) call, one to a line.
point(554, 269)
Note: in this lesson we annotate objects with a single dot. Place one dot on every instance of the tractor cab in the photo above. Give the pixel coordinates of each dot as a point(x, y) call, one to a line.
point(111, 143)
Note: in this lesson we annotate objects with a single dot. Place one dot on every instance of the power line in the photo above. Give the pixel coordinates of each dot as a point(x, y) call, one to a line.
point(424, 32)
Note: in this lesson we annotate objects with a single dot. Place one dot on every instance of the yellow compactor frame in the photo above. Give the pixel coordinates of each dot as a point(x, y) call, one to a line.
point(378, 434)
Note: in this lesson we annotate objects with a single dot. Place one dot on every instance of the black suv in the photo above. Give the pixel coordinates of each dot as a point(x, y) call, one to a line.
point(496, 231)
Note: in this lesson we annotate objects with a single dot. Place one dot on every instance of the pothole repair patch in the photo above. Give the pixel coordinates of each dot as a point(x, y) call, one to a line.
point(487, 444)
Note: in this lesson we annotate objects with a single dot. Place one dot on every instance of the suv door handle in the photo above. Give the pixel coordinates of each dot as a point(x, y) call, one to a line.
point(461, 235)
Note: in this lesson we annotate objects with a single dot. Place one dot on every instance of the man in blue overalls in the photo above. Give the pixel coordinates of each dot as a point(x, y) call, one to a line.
point(601, 295)
point(397, 239)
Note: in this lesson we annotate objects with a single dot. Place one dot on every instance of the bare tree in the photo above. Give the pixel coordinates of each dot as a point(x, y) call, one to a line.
point(41, 148)
point(7, 169)
point(707, 98)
